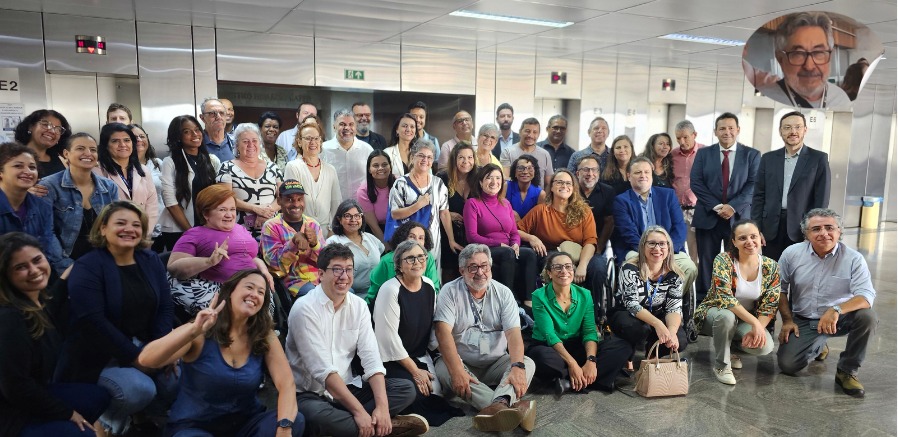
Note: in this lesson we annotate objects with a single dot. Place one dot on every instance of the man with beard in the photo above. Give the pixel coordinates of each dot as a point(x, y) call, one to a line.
point(791, 181)
point(507, 138)
point(598, 133)
point(527, 146)
point(347, 154)
point(554, 143)
point(229, 119)
point(804, 46)
point(217, 142)
point(478, 330)
point(600, 198)
point(291, 240)
point(363, 117)
point(463, 124)
point(419, 111)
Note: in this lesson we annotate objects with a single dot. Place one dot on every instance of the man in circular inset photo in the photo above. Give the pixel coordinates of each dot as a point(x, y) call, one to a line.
point(803, 48)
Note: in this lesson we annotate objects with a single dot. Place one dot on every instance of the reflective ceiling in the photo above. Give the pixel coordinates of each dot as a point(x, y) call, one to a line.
point(622, 29)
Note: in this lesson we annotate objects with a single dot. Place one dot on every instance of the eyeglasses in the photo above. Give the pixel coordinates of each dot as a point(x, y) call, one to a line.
point(589, 170)
point(463, 120)
point(412, 260)
point(474, 268)
point(656, 244)
point(214, 114)
point(349, 216)
point(424, 157)
point(49, 126)
point(827, 228)
point(558, 268)
point(563, 183)
point(312, 139)
point(339, 271)
point(799, 57)
point(523, 168)
point(788, 128)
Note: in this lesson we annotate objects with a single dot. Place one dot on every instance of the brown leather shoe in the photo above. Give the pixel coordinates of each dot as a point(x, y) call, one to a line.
point(823, 354)
point(850, 384)
point(528, 414)
point(409, 425)
point(497, 417)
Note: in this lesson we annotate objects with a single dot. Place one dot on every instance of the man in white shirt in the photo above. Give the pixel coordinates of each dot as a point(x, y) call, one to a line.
point(527, 146)
point(348, 154)
point(328, 327)
point(286, 138)
point(478, 329)
point(463, 124)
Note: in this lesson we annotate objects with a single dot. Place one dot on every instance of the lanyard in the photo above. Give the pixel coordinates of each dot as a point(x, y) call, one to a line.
point(651, 298)
point(478, 313)
point(125, 180)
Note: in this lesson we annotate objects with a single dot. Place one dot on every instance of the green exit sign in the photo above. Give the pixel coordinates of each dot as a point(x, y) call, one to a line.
point(354, 74)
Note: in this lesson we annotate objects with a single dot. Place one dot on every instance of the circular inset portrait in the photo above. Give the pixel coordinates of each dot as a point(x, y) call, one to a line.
point(811, 59)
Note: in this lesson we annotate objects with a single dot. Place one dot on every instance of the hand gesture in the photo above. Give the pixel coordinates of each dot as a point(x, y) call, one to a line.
point(578, 382)
point(457, 218)
point(220, 252)
point(422, 381)
point(518, 379)
point(423, 200)
point(81, 422)
point(310, 235)
point(380, 418)
point(756, 338)
point(786, 329)
point(590, 372)
point(663, 334)
point(461, 385)
point(580, 273)
point(365, 423)
point(39, 190)
point(538, 246)
point(206, 318)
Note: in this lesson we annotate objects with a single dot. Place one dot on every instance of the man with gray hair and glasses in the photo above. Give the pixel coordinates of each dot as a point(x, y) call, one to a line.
point(478, 329)
point(216, 140)
point(803, 48)
point(826, 292)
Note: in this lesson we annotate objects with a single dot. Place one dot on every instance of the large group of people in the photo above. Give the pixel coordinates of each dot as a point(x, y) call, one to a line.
point(373, 283)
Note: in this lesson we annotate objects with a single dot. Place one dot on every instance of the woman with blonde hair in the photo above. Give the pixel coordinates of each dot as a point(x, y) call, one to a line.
point(318, 178)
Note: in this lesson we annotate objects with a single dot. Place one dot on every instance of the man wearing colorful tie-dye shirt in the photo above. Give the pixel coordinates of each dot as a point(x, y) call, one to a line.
point(291, 240)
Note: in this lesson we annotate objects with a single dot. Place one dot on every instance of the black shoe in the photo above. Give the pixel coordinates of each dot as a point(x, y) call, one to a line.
point(561, 386)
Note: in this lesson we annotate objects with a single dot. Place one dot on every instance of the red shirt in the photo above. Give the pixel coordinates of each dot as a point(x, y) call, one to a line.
point(682, 166)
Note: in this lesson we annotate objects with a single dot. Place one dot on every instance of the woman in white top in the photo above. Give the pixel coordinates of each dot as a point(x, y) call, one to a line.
point(366, 248)
point(405, 133)
point(318, 177)
point(421, 189)
point(742, 301)
point(253, 180)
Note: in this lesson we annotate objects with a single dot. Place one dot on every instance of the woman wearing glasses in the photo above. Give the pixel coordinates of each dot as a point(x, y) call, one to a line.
point(487, 139)
point(405, 133)
point(44, 131)
point(524, 191)
point(650, 296)
point(385, 269)
point(420, 189)
point(565, 218)
point(374, 193)
point(347, 226)
point(318, 178)
point(566, 346)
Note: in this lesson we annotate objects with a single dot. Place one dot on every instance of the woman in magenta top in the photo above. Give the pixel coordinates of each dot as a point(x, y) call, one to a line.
point(208, 255)
point(489, 219)
point(374, 194)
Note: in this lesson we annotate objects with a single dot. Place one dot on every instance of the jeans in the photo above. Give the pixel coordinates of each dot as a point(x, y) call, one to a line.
point(262, 424)
point(133, 391)
point(727, 332)
point(88, 400)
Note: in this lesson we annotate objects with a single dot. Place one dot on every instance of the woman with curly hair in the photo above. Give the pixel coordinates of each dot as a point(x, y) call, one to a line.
point(45, 131)
point(459, 177)
point(657, 149)
point(564, 222)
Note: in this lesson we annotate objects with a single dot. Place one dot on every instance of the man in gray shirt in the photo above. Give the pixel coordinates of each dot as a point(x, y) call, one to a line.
point(826, 292)
point(478, 328)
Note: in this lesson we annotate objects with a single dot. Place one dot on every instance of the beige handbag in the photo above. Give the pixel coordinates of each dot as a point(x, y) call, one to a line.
point(662, 377)
point(572, 249)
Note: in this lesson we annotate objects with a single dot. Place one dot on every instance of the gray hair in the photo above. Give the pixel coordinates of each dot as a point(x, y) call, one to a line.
point(685, 125)
point(343, 112)
point(596, 120)
point(489, 127)
point(472, 249)
point(557, 117)
point(403, 249)
point(207, 100)
point(421, 144)
point(243, 128)
point(803, 19)
point(820, 212)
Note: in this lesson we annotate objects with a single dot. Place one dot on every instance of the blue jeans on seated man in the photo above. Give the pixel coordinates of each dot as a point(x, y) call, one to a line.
point(89, 400)
point(133, 391)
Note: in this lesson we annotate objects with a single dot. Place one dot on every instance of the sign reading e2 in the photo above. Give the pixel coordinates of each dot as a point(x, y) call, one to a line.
point(10, 85)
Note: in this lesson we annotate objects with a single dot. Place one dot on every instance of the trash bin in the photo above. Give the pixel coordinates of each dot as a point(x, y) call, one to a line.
point(870, 212)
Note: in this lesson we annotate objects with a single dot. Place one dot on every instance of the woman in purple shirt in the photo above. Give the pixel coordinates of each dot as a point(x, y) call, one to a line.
point(489, 219)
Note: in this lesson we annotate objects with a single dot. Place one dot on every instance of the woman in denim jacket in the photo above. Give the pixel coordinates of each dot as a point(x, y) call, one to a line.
point(77, 195)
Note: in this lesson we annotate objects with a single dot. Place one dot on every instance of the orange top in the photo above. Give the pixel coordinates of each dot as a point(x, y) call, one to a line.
point(548, 225)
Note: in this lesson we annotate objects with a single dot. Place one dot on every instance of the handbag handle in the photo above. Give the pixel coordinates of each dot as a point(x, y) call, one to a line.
point(656, 350)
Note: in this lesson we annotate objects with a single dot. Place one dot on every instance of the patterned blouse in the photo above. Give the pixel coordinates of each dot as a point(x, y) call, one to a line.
point(721, 294)
point(658, 297)
point(254, 191)
point(280, 158)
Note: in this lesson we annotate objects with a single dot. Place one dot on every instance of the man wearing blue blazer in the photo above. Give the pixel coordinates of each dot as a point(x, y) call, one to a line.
point(644, 206)
point(723, 180)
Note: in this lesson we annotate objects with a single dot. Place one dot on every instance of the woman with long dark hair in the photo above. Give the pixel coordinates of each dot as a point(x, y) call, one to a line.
point(615, 173)
point(374, 194)
point(146, 154)
point(29, 348)
point(404, 135)
point(460, 178)
point(45, 131)
point(185, 172)
point(524, 190)
point(657, 149)
point(120, 162)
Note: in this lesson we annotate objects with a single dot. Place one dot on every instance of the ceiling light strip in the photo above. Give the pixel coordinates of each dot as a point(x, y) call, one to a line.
point(510, 19)
point(703, 39)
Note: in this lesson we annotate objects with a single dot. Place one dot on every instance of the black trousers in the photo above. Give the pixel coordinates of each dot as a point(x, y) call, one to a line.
point(611, 356)
point(639, 334)
point(518, 274)
point(775, 246)
point(708, 242)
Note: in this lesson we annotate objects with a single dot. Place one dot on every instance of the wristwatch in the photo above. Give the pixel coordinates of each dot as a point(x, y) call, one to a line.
point(285, 423)
point(591, 358)
point(837, 309)
point(519, 365)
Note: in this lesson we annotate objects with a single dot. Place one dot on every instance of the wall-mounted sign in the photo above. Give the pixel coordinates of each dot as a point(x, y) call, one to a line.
point(93, 45)
point(10, 87)
point(10, 117)
point(559, 78)
point(354, 74)
point(668, 84)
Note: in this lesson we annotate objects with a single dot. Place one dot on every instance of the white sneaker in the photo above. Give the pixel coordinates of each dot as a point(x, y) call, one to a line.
point(725, 376)
point(735, 361)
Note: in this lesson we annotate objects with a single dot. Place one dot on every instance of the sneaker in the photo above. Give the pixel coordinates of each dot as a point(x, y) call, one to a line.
point(849, 383)
point(735, 361)
point(409, 425)
point(497, 417)
point(823, 354)
point(528, 414)
point(725, 376)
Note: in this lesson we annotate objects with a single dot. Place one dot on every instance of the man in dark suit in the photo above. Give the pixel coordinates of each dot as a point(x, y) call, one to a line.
point(507, 137)
point(723, 180)
point(644, 206)
point(804, 171)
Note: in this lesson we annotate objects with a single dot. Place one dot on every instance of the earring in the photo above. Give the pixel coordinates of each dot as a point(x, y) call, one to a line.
point(29, 132)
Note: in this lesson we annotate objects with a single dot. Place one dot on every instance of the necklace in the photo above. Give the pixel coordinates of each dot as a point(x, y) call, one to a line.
point(418, 181)
point(310, 165)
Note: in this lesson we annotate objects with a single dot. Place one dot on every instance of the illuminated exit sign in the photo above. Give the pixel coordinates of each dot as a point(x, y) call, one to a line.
point(93, 45)
point(354, 74)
